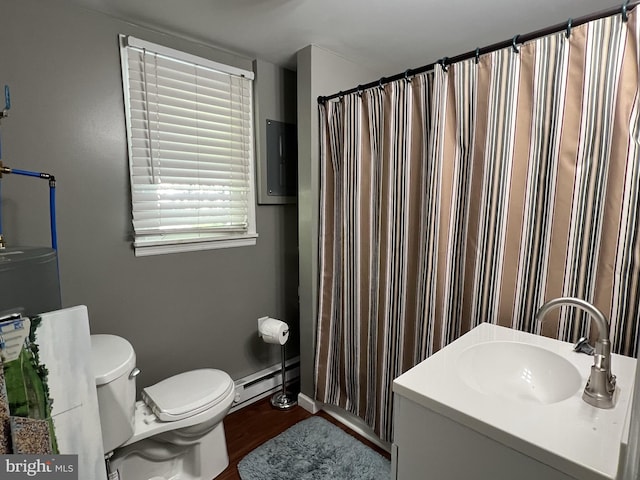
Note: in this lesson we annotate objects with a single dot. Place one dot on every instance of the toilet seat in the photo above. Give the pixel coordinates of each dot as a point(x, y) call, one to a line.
point(187, 394)
point(147, 424)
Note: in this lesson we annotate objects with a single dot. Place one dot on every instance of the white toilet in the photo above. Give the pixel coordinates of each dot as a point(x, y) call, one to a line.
point(175, 432)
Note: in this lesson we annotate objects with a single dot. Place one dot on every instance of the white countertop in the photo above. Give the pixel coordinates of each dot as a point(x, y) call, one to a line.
point(571, 436)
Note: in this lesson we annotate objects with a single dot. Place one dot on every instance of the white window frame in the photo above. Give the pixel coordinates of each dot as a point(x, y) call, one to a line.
point(173, 243)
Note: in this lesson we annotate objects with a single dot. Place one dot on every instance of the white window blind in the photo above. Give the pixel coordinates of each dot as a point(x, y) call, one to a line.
point(190, 138)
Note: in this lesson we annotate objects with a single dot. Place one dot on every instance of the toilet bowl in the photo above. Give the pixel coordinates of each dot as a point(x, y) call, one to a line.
point(175, 431)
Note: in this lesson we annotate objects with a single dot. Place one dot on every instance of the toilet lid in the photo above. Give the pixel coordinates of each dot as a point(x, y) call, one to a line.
point(187, 394)
point(111, 358)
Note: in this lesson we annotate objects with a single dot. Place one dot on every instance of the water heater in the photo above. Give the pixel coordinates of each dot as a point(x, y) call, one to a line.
point(29, 281)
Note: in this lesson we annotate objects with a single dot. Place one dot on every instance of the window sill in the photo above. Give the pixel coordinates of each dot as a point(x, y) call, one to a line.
point(193, 246)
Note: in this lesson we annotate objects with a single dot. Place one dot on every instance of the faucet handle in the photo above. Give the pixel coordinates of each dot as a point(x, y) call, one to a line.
point(582, 346)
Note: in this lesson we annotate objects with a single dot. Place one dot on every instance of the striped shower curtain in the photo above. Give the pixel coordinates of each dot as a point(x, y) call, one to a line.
point(472, 195)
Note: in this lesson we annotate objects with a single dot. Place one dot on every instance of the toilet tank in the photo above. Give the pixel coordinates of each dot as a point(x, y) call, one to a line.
point(114, 366)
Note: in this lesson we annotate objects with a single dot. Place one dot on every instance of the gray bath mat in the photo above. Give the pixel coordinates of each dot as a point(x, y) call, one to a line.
point(314, 449)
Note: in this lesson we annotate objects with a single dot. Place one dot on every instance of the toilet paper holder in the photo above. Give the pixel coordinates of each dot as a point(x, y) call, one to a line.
point(276, 331)
point(272, 330)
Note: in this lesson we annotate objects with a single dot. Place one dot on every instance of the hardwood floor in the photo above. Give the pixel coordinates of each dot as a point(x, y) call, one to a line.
point(253, 425)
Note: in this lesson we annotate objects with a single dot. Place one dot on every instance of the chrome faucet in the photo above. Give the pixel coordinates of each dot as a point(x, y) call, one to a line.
point(602, 383)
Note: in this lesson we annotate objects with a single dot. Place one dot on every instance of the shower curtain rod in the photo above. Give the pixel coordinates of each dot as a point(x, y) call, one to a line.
point(518, 39)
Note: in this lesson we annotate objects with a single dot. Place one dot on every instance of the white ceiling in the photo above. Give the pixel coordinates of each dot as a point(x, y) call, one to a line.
point(387, 36)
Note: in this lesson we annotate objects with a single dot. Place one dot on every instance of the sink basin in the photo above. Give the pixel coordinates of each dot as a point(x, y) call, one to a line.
point(522, 392)
point(518, 371)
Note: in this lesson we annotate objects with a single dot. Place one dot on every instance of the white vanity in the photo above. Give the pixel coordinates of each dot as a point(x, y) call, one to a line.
point(501, 404)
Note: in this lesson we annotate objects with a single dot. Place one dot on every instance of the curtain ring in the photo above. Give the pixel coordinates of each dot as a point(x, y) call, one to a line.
point(380, 83)
point(359, 90)
point(514, 44)
point(406, 75)
point(568, 33)
point(477, 55)
point(624, 11)
point(443, 63)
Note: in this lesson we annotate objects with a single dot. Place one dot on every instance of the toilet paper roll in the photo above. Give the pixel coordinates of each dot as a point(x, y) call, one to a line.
point(274, 331)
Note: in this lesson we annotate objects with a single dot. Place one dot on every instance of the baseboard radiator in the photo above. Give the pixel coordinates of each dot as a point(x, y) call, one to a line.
point(266, 382)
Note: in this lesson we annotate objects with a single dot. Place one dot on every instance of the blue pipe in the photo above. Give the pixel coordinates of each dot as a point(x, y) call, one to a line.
point(52, 214)
point(29, 173)
point(52, 198)
point(7, 98)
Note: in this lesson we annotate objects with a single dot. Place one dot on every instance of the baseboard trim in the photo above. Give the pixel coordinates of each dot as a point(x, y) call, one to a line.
point(308, 403)
point(348, 419)
point(356, 424)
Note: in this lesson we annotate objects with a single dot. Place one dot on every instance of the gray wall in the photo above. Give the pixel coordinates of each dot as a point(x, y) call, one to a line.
point(275, 99)
point(320, 73)
point(180, 311)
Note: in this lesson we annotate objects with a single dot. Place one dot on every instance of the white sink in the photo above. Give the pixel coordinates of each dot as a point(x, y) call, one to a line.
point(519, 371)
point(524, 391)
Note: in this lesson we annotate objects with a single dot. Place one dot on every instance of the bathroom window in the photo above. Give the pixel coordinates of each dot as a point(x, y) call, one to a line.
point(191, 159)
